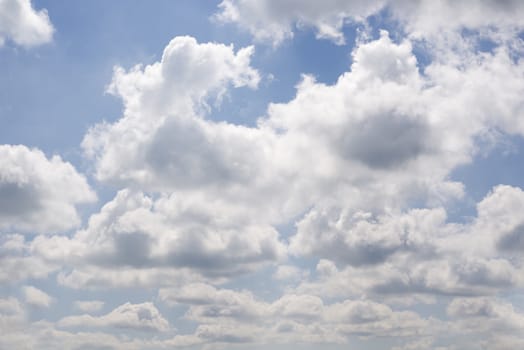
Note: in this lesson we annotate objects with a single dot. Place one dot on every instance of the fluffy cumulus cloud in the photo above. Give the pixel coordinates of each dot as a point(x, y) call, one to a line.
point(36, 297)
point(382, 135)
point(223, 313)
point(274, 21)
point(18, 262)
point(20, 332)
point(23, 25)
point(410, 257)
point(143, 316)
point(327, 221)
point(363, 239)
point(153, 239)
point(421, 17)
point(162, 102)
point(386, 135)
point(490, 316)
point(39, 194)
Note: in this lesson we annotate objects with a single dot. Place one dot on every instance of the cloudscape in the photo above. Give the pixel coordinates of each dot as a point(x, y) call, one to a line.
point(262, 174)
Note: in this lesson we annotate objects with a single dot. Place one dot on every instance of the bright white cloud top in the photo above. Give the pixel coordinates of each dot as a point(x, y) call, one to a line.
point(344, 216)
point(21, 24)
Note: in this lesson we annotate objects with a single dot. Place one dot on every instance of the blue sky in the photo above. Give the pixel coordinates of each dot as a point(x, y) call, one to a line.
point(263, 174)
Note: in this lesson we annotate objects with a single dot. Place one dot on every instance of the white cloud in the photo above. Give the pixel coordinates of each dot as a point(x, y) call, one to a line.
point(18, 263)
point(488, 319)
point(500, 212)
point(201, 294)
point(10, 306)
point(161, 101)
point(477, 307)
point(504, 341)
point(427, 18)
point(289, 273)
point(164, 143)
point(226, 333)
point(274, 21)
point(238, 167)
point(145, 317)
point(209, 304)
point(146, 236)
point(371, 318)
point(36, 297)
point(386, 126)
point(364, 239)
point(416, 253)
point(95, 277)
point(12, 321)
point(24, 25)
point(363, 166)
point(299, 307)
point(89, 305)
point(409, 119)
point(420, 344)
point(22, 334)
point(39, 194)
point(383, 137)
point(224, 316)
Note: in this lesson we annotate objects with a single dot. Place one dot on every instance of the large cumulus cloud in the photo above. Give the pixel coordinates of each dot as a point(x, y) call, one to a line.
point(344, 156)
point(417, 253)
point(146, 237)
point(383, 130)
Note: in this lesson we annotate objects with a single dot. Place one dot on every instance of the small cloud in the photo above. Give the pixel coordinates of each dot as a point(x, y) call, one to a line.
point(36, 297)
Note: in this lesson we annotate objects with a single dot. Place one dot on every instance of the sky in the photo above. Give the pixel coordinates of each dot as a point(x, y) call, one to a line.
point(262, 174)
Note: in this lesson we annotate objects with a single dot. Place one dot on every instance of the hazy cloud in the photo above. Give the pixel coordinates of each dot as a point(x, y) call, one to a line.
point(36, 297)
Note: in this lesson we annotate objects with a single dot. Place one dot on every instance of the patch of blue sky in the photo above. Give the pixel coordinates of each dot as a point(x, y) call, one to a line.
point(501, 165)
